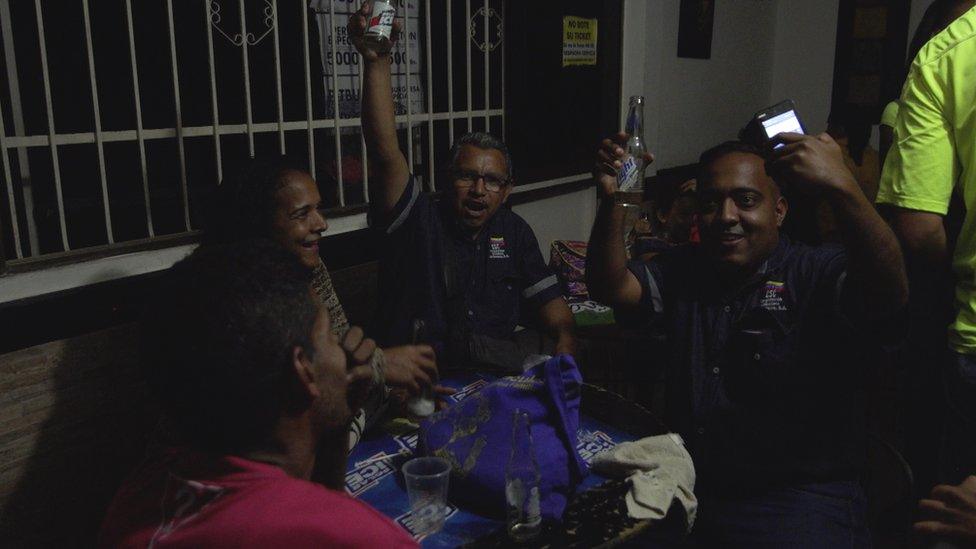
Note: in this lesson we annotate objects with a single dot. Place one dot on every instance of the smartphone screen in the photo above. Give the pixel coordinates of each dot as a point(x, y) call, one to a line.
point(786, 122)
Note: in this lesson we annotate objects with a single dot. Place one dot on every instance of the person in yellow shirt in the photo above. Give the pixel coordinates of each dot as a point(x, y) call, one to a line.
point(937, 17)
point(933, 156)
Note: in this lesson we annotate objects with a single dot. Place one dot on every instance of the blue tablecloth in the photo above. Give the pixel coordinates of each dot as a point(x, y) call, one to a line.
point(381, 485)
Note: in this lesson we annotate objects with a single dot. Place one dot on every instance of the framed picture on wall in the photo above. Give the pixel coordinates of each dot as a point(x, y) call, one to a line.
point(869, 62)
point(695, 24)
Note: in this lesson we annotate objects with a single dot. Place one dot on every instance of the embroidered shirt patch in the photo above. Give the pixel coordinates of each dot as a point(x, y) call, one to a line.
point(496, 248)
point(772, 299)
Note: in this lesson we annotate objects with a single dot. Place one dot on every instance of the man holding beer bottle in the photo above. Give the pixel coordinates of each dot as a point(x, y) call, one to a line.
point(767, 339)
point(465, 265)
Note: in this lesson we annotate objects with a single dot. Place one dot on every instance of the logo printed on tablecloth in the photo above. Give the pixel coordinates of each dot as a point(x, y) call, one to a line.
point(587, 307)
point(592, 444)
point(468, 390)
point(407, 442)
point(368, 476)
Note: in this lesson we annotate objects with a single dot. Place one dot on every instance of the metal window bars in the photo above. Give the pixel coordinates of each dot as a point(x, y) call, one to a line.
point(20, 142)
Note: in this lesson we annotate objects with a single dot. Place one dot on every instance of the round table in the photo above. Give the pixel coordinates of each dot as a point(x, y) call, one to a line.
point(597, 516)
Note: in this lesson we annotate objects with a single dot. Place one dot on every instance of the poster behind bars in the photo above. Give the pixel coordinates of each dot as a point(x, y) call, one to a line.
point(346, 62)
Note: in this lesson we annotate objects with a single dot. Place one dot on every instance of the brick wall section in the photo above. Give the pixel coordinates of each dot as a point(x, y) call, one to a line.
point(74, 419)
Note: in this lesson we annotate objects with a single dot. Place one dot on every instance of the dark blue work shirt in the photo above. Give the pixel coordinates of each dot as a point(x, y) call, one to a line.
point(765, 382)
point(495, 279)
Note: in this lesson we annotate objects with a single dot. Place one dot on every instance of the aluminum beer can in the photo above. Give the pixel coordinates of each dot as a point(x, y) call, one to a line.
point(380, 25)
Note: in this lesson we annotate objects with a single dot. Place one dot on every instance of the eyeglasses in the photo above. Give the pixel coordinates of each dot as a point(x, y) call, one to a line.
point(466, 178)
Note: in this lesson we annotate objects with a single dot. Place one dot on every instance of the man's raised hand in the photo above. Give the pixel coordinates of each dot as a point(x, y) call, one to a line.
point(813, 163)
point(609, 160)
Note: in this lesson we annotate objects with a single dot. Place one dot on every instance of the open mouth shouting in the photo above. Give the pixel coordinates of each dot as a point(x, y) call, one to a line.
point(473, 209)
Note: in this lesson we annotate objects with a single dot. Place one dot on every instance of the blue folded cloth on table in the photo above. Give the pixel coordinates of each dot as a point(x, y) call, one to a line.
point(475, 436)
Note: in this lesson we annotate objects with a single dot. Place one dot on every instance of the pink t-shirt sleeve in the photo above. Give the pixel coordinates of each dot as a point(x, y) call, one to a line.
point(254, 509)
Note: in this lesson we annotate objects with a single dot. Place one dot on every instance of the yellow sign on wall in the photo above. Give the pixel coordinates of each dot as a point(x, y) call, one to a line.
point(579, 41)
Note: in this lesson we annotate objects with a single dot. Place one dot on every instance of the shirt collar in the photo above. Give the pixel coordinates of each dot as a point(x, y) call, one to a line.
point(772, 262)
point(775, 259)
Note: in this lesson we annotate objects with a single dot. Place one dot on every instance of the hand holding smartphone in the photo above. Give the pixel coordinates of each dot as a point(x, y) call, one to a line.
point(780, 118)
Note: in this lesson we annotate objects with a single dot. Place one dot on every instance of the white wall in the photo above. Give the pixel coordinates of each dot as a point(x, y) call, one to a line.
point(803, 70)
point(763, 51)
point(564, 217)
point(702, 102)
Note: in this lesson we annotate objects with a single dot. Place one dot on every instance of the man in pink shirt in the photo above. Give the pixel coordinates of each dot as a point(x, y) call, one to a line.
point(258, 392)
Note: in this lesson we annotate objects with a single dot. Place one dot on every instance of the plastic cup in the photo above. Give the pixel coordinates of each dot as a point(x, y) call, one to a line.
point(427, 480)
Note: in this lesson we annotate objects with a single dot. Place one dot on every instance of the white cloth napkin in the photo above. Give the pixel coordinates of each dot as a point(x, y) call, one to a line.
point(660, 471)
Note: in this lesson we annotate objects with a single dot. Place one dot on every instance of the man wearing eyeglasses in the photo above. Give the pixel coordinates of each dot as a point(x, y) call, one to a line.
point(467, 267)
